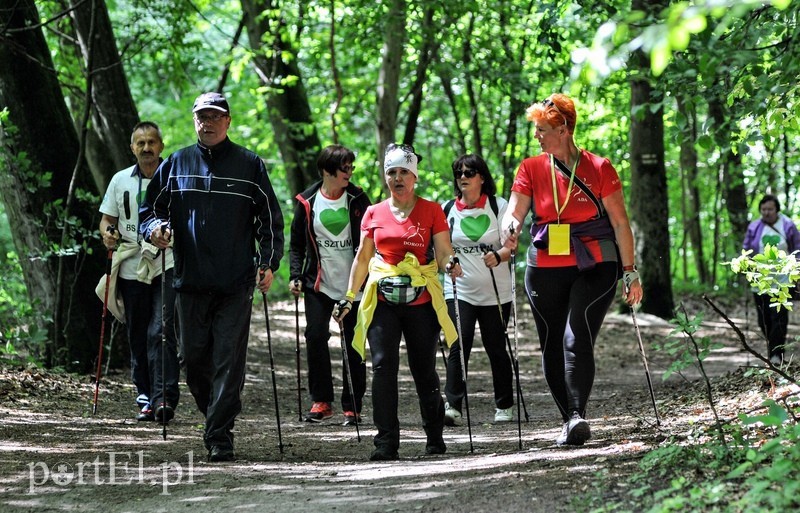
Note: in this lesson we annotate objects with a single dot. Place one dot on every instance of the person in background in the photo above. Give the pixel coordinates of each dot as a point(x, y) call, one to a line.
point(404, 243)
point(325, 232)
point(484, 291)
point(141, 290)
point(779, 231)
point(216, 200)
point(581, 239)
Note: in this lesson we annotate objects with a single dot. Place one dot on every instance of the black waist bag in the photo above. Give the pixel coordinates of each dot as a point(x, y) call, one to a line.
point(397, 290)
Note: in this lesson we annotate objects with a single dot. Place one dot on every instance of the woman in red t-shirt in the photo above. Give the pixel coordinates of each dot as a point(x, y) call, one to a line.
point(401, 237)
point(581, 239)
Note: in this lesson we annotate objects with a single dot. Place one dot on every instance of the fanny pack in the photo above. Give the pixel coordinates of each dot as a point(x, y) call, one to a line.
point(397, 290)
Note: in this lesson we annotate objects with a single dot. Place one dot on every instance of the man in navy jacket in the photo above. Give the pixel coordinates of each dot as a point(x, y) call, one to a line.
point(215, 199)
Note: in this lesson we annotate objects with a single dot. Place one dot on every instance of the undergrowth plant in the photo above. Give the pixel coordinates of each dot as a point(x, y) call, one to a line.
point(749, 462)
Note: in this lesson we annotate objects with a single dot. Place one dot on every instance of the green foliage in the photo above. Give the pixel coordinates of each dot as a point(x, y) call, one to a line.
point(680, 347)
point(758, 473)
point(773, 272)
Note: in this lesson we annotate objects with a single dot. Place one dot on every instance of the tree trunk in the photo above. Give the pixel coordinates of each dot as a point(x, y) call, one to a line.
point(114, 112)
point(287, 101)
point(688, 160)
point(733, 189)
point(649, 202)
point(36, 168)
point(389, 76)
point(428, 52)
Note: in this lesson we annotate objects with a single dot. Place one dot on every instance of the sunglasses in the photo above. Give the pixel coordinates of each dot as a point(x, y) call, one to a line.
point(548, 103)
point(405, 147)
point(347, 169)
point(467, 173)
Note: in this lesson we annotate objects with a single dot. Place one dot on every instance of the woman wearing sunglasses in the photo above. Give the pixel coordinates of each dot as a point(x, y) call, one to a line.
point(582, 244)
point(325, 231)
point(404, 244)
point(484, 292)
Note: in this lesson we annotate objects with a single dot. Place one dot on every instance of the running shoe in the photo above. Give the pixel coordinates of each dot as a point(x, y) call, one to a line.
point(319, 412)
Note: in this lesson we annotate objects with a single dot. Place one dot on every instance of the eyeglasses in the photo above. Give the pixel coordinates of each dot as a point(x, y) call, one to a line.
point(467, 173)
point(548, 103)
point(347, 169)
point(209, 118)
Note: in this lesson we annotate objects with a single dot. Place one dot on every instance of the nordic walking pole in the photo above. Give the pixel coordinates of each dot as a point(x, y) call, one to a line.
point(644, 361)
point(441, 349)
point(109, 258)
point(297, 352)
point(514, 316)
point(163, 336)
point(508, 345)
point(261, 273)
point(346, 361)
point(454, 261)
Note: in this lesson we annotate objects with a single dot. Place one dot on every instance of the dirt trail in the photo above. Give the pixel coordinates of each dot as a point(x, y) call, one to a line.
point(56, 456)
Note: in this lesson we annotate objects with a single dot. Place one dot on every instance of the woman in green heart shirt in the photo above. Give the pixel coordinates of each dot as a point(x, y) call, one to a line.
point(484, 291)
point(779, 231)
point(324, 240)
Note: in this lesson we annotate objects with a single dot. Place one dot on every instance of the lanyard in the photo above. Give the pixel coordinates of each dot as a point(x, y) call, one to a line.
point(559, 210)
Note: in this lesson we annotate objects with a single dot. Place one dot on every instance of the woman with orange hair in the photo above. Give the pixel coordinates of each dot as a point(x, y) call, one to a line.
point(582, 244)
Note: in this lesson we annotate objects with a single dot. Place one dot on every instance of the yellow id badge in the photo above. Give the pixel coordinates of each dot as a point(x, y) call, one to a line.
point(559, 239)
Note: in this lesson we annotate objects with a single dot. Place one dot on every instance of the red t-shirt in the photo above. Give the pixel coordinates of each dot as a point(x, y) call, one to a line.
point(534, 179)
point(394, 238)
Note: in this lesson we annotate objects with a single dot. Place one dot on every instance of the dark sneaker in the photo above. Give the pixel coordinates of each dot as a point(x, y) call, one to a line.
point(437, 447)
point(384, 454)
point(578, 430)
point(146, 414)
point(164, 413)
point(351, 418)
point(220, 453)
point(319, 412)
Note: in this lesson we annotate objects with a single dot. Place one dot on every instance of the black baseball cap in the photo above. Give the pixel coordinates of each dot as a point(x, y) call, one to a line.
point(211, 101)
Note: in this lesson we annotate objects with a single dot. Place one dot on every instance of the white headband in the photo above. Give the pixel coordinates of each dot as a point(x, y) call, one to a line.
point(399, 157)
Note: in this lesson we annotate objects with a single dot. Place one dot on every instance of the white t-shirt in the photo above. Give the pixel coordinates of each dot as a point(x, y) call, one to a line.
point(473, 231)
point(124, 195)
point(334, 242)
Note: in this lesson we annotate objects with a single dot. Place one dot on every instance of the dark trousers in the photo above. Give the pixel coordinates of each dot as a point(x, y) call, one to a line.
point(214, 331)
point(143, 316)
point(319, 308)
point(569, 307)
point(493, 336)
point(773, 324)
point(420, 328)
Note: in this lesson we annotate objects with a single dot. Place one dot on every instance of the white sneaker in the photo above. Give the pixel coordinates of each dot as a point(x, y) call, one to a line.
point(504, 415)
point(452, 417)
point(776, 360)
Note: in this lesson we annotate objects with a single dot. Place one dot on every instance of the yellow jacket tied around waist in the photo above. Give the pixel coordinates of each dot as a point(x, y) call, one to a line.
point(421, 276)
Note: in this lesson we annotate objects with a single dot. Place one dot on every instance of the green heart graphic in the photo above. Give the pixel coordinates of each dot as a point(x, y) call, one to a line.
point(771, 239)
point(334, 220)
point(475, 227)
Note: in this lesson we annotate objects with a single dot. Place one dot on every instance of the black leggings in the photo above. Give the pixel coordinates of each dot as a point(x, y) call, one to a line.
point(569, 307)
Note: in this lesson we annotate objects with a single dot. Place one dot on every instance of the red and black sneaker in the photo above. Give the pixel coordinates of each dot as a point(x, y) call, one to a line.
point(319, 412)
point(351, 418)
point(146, 414)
